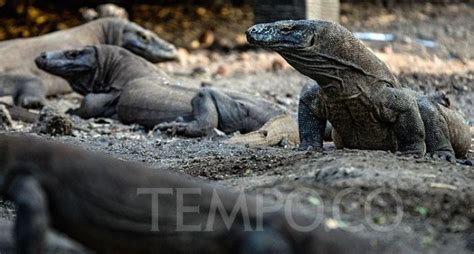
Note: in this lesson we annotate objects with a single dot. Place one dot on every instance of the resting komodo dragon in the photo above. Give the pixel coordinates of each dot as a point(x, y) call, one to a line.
point(358, 94)
point(29, 85)
point(113, 206)
point(116, 82)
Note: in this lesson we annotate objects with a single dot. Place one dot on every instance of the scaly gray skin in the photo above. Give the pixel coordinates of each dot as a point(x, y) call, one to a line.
point(358, 95)
point(20, 77)
point(116, 82)
point(55, 244)
point(106, 205)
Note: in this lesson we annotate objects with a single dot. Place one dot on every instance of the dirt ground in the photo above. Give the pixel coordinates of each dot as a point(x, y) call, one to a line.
point(412, 205)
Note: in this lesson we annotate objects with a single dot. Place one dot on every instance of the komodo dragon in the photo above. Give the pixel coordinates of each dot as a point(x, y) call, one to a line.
point(115, 81)
point(20, 77)
point(55, 244)
point(113, 206)
point(358, 94)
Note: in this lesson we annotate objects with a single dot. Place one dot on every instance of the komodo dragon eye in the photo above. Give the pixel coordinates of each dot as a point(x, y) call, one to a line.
point(142, 37)
point(72, 54)
point(286, 29)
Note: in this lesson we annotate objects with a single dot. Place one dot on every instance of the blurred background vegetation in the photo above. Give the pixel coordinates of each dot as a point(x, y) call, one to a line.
point(187, 23)
point(190, 24)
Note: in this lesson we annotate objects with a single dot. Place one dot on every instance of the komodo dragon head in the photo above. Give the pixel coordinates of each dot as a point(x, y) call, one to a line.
point(323, 51)
point(146, 43)
point(77, 66)
point(95, 69)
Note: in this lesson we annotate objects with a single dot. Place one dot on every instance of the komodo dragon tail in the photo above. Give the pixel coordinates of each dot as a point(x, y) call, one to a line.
point(276, 130)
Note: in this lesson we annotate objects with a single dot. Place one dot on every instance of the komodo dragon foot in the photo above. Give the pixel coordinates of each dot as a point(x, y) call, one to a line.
point(27, 91)
point(174, 128)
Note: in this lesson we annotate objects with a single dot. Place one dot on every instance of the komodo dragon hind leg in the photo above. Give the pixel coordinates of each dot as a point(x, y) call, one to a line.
point(27, 92)
point(311, 127)
point(32, 215)
point(205, 115)
point(436, 130)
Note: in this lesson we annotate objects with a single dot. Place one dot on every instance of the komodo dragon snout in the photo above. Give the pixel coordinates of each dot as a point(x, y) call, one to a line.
point(147, 44)
point(282, 34)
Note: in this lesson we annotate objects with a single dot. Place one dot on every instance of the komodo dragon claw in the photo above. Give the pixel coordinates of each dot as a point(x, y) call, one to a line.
point(441, 155)
point(173, 128)
point(32, 102)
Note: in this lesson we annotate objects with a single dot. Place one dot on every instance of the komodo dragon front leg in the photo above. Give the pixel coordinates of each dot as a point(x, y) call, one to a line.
point(32, 214)
point(205, 114)
point(311, 125)
point(227, 112)
point(27, 91)
point(97, 105)
point(399, 109)
point(436, 129)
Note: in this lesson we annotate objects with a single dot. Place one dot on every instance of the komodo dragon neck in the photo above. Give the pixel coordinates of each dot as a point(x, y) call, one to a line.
point(119, 67)
point(341, 65)
point(112, 30)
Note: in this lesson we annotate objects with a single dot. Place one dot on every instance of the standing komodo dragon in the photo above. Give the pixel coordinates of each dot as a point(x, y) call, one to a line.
point(29, 85)
point(113, 206)
point(358, 95)
point(116, 82)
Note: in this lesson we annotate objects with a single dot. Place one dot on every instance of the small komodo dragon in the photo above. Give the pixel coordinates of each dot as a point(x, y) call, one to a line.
point(113, 206)
point(29, 85)
point(358, 94)
point(116, 82)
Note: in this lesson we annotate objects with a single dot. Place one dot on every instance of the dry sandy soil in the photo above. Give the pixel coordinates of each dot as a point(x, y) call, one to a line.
point(434, 198)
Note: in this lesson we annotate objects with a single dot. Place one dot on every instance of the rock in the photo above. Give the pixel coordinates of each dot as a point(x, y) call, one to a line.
point(206, 84)
point(387, 50)
point(284, 101)
point(198, 71)
point(207, 38)
point(195, 44)
point(52, 123)
point(88, 14)
point(111, 10)
point(241, 39)
point(278, 64)
point(102, 11)
point(183, 54)
point(244, 56)
point(332, 173)
point(222, 70)
point(5, 118)
point(216, 134)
